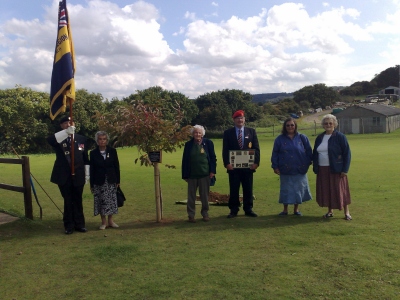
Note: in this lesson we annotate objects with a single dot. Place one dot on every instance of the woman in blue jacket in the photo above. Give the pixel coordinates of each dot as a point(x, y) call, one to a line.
point(331, 162)
point(199, 165)
point(291, 158)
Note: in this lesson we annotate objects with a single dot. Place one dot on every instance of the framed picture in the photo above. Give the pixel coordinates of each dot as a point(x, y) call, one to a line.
point(241, 159)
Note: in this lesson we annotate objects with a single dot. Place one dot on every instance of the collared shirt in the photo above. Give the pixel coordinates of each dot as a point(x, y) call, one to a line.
point(237, 134)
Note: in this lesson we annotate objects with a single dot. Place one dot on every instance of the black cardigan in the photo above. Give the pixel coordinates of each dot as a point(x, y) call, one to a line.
point(100, 167)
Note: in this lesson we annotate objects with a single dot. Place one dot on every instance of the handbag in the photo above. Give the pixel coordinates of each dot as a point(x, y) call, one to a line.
point(213, 180)
point(120, 197)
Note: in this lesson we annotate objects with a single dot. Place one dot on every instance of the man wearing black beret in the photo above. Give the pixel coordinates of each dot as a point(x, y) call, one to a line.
point(71, 186)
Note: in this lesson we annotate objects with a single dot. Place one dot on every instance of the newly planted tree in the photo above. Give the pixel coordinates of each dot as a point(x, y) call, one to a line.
point(144, 126)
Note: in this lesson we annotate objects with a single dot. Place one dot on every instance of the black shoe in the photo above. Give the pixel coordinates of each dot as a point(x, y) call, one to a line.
point(250, 214)
point(82, 229)
point(231, 216)
point(68, 231)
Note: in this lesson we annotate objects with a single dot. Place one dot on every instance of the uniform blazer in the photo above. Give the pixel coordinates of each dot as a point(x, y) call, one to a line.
point(62, 169)
point(230, 142)
point(100, 167)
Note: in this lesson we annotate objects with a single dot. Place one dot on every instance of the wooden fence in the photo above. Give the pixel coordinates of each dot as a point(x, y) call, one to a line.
point(26, 185)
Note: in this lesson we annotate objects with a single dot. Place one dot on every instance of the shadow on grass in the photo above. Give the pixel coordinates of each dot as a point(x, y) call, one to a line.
point(222, 223)
point(244, 222)
point(25, 228)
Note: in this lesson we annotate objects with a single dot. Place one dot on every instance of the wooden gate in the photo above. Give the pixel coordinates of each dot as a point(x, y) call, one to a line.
point(26, 184)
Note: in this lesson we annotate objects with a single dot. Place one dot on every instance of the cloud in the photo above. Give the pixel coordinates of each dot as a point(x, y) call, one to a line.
point(180, 32)
point(283, 47)
point(122, 49)
point(388, 26)
point(190, 16)
point(115, 56)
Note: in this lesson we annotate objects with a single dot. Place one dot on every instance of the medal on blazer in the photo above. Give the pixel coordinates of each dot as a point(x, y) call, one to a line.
point(250, 144)
point(65, 149)
point(202, 150)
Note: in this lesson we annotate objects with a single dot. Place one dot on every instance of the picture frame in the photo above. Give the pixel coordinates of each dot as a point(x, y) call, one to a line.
point(241, 159)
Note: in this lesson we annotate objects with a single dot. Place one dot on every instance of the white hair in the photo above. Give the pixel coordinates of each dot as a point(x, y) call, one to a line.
point(329, 117)
point(198, 127)
point(101, 133)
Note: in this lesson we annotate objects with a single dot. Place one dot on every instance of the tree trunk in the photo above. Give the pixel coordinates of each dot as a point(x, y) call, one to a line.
point(158, 192)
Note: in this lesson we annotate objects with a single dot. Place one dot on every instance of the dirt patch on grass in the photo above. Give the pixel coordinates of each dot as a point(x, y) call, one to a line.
point(218, 198)
point(5, 218)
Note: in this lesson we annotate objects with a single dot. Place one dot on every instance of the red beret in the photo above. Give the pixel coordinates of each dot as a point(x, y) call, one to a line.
point(238, 113)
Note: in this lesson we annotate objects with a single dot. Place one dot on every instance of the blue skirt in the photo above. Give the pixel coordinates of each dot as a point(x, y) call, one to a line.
point(294, 189)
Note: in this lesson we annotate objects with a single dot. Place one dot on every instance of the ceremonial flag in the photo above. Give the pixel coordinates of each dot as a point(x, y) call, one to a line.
point(62, 78)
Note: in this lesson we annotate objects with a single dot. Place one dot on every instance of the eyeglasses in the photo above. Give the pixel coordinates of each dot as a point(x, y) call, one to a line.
point(289, 125)
point(328, 123)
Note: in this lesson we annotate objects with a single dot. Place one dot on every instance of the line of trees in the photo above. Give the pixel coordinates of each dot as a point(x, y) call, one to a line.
point(25, 121)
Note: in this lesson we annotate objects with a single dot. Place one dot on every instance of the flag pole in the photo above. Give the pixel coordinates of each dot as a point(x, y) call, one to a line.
point(62, 89)
point(72, 150)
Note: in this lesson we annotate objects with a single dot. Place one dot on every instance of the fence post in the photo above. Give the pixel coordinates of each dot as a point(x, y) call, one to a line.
point(26, 176)
point(315, 127)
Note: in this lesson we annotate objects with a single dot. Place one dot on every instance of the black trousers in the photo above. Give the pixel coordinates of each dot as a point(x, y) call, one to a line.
point(73, 209)
point(239, 177)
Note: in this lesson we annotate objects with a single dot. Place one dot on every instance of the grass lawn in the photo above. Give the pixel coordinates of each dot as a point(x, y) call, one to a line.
point(268, 257)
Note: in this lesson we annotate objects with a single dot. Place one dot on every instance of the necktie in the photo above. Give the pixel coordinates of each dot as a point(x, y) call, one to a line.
point(240, 139)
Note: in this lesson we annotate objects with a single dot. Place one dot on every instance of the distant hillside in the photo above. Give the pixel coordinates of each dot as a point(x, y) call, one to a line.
point(338, 88)
point(386, 78)
point(271, 97)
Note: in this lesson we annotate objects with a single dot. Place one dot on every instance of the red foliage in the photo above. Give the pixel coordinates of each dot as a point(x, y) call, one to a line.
point(143, 126)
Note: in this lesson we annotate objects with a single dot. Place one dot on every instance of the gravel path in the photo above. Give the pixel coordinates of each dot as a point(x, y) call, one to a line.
point(316, 116)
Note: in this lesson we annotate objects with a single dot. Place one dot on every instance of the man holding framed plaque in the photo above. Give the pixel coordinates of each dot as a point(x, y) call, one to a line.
point(241, 156)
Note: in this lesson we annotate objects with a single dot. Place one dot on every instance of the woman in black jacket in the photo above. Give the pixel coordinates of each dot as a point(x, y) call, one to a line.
point(104, 180)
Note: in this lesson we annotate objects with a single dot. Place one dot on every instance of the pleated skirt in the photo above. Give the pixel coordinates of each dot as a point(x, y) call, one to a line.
point(332, 190)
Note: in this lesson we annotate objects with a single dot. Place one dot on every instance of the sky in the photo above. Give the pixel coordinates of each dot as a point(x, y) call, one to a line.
point(200, 46)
